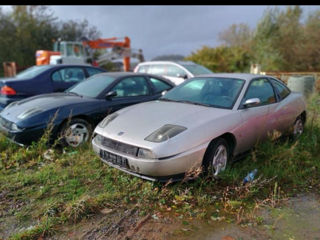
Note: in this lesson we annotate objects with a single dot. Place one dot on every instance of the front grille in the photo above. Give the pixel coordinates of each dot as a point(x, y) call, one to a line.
point(119, 146)
point(5, 123)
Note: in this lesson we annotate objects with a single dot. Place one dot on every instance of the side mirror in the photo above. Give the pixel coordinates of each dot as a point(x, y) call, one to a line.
point(111, 94)
point(164, 92)
point(251, 102)
point(184, 76)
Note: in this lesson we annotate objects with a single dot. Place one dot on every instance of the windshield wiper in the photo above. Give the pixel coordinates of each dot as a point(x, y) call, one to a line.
point(195, 103)
point(167, 100)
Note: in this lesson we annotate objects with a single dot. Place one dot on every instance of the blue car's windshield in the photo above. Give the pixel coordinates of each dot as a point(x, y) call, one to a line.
point(93, 86)
point(32, 72)
point(208, 91)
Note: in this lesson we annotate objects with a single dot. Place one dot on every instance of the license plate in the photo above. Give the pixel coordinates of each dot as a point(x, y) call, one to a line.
point(113, 158)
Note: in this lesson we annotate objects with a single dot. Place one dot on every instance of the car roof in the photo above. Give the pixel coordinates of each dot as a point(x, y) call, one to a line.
point(244, 76)
point(127, 74)
point(162, 62)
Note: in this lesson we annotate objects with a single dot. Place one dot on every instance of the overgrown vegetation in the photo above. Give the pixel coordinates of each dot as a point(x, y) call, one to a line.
point(43, 189)
point(281, 41)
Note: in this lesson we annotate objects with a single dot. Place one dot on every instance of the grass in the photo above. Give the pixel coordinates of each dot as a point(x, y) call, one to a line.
point(43, 189)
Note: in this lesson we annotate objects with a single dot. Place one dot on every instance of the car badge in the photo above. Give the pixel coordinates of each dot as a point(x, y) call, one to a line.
point(120, 133)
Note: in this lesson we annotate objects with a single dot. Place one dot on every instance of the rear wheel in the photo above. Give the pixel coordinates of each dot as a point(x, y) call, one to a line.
point(75, 132)
point(217, 157)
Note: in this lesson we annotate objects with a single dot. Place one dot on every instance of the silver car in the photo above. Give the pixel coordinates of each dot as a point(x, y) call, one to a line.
point(204, 122)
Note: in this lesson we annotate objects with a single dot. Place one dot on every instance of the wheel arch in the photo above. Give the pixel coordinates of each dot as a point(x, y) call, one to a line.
point(230, 139)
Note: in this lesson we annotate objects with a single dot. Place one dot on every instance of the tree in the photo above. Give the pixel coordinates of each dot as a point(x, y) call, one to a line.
point(237, 35)
point(29, 28)
point(222, 59)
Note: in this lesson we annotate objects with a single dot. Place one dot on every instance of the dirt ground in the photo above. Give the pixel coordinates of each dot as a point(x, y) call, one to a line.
point(297, 218)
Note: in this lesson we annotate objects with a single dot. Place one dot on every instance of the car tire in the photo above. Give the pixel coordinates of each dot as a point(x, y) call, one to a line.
point(75, 132)
point(298, 128)
point(216, 157)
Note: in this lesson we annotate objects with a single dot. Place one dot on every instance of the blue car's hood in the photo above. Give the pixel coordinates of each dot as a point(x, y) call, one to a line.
point(42, 103)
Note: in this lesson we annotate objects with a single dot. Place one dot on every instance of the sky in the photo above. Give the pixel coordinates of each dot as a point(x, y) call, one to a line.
point(162, 30)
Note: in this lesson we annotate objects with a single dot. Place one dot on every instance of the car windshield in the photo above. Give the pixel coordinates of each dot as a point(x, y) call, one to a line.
point(32, 72)
point(92, 87)
point(196, 69)
point(211, 91)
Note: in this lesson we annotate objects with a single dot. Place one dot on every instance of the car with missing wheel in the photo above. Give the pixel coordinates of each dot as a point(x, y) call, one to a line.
point(204, 123)
point(74, 113)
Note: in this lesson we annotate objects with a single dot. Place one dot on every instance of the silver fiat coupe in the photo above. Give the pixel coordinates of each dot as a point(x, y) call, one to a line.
point(203, 123)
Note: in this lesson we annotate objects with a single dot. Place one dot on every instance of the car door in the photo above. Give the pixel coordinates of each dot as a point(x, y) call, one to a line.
point(256, 122)
point(283, 113)
point(64, 78)
point(130, 90)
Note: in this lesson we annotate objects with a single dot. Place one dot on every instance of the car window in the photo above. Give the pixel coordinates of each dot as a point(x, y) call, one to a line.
point(157, 69)
point(132, 86)
point(68, 74)
point(174, 71)
point(93, 86)
point(262, 89)
point(281, 88)
point(159, 85)
point(196, 69)
point(93, 71)
point(143, 69)
point(32, 71)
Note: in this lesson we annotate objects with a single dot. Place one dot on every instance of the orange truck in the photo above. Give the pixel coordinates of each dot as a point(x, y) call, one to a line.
point(70, 52)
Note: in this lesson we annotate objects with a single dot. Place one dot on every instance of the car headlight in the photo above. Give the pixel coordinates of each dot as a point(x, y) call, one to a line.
point(164, 133)
point(29, 113)
point(107, 120)
point(15, 128)
point(145, 153)
point(98, 139)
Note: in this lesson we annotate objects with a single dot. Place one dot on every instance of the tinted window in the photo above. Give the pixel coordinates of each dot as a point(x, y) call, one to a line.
point(211, 91)
point(93, 71)
point(73, 74)
point(32, 72)
point(93, 86)
point(132, 86)
point(262, 89)
point(281, 88)
point(159, 85)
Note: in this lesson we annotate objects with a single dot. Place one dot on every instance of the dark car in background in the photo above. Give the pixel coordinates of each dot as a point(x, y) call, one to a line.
point(43, 79)
point(75, 112)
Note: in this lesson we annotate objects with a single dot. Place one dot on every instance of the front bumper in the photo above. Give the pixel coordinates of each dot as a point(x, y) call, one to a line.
point(154, 169)
point(23, 137)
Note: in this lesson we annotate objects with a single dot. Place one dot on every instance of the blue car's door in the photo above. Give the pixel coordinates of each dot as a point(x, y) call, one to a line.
point(66, 77)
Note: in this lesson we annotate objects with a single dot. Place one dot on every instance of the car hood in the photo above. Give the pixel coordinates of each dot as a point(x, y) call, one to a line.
point(139, 121)
point(44, 102)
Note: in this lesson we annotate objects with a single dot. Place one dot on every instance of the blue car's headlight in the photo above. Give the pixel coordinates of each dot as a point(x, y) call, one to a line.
point(107, 120)
point(164, 133)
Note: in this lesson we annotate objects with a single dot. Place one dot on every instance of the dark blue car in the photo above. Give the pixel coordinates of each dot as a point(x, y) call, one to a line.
point(75, 112)
point(43, 79)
